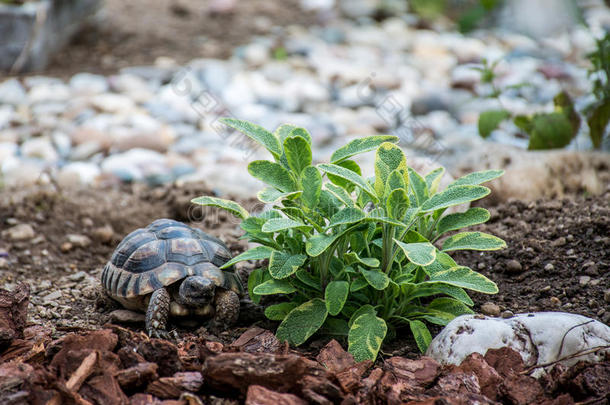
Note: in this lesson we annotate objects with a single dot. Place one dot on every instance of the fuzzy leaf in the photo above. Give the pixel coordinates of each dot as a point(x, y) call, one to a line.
point(340, 194)
point(335, 296)
point(283, 264)
point(270, 195)
point(254, 279)
point(353, 257)
point(473, 241)
point(278, 312)
point(397, 204)
point(490, 120)
point(256, 253)
point(421, 253)
point(346, 185)
point(298, 153)
point(475, 178)
point(306, 278)
point(376, 278)
point(348, 215)
point(550, 131)
point(360, 145)
point(450, 306)
point(302, 132)
point(283, 131)
point(365, 309)
point(464, 277)
point(454, 196)
point(273, 286)
point(317, 244)
point(419, 187)
point(388, 158)
point(231, 206)
point(350, 176)
point(273, 174)
point(282, 224)
point(421, 334)
point(433, 179)
point(302, 322)
point(366, 336)
point(451, 222)
point(257, 133)
point(311, 181)
point(598, 122)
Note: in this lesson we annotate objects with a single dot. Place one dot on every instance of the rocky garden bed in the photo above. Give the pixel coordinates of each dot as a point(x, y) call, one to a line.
point(61, 339)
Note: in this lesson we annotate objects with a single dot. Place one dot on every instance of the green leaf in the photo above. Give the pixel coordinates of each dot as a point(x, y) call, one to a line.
point(377, 215)
point(490, 120)
point(421, 334)
point(421, 253)
point(365, 309)
point(283, 264)
point(388, 158)
point(454, 196)
point(257, 133)
point(452, 222)
point(353, 257)
point(273, 286)
point(256, 253)
point(473, 241)
point(302, 322)
point(397, 204)
point(464, 277)
point(598, 122)
point(433, 179)
point(282, 224)
point(347, 164)
point(271, 194)
point(317, 244)
point(273, 174)
point(360, 145)
point(395, 181)
point(335, 327)
point(450, 306)
point(302, 132)
point(550, 131)
point(340, 194)
point(350, 176)
point(298, 153)
point(348, 215)
point(311, 181)
point(376, 278)
point(358, 284)
point(254, 279)
point(419, 187)
point(278, 312)
point(335, 296)
point(231, 206)
point(438, 288)
point(306, 278)
point(475, 178)
point(366, 336)
point(283, 131)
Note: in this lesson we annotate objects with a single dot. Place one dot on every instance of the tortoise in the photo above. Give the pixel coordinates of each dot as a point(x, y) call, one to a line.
point(169, 268)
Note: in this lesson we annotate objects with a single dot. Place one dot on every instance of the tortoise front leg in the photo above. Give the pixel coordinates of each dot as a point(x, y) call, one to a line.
point(227, 308)
point(157, 313)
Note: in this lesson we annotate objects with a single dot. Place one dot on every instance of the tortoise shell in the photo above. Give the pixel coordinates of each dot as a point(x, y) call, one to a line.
point(164, 252)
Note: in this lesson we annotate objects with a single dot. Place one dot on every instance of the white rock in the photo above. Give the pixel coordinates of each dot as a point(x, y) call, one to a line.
point(539, 338)
point(87, 83)
point(19, 232)
point(40, 148)
point(52, 91)
point(7, 149)
point(256, 54)
point(113, 103)
point(12, 92)
point(18, 173)
point(78, 173)
point(134, 165)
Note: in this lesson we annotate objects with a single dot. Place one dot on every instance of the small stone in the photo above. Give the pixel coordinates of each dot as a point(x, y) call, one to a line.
point(513, 266)
point(77, 276)
point(103, 234)
point(595, 282)
point(481, 265)
point(607, 296)
point(570, 252)
point(590, 269)
point(556, 302)
point(51, 297)
point(507, 314)
point(549, 267)
point(491, 309)
point(559, 242)
point(66, 247)
point(584, 280)
point(79, 240)
point(19, 232)
point(3, 263)
point(126, 316)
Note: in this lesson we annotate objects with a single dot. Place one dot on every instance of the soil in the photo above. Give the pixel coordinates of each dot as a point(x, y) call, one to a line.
point(137, 32)
point(64, 280)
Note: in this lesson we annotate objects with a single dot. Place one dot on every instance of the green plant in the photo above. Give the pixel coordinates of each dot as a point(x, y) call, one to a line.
point(545, 130)
point(598, 113)
point(467, 14)
point(352, 256)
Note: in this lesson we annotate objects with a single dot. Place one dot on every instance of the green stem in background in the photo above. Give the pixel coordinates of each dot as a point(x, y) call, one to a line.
point(387, 245)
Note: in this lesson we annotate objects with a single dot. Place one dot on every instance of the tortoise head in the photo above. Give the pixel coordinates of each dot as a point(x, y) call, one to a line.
point(196, 291)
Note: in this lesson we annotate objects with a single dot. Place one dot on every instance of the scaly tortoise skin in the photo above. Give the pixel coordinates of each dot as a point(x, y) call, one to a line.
point(171, 268)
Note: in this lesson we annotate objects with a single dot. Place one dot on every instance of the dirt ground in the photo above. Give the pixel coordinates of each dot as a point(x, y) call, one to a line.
point(73, 234)
point(137, 32)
